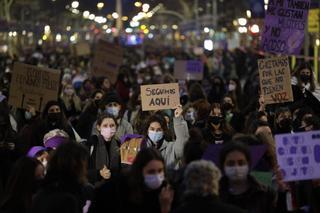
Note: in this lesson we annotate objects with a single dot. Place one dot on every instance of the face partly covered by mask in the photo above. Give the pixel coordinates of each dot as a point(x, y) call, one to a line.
point(54, 114)
point(153, 174)
point(107, 128)
point(155, 132)
point(284, 122)
point(113, 109)
point(305, 76)
point(236, 166)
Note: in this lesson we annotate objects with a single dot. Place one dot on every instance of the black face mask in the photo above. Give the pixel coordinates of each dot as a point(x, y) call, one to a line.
point(227, 106)
point(305, 78)
point(54, 117)
point(285, 125)
point(97, 102)
point(215, 120)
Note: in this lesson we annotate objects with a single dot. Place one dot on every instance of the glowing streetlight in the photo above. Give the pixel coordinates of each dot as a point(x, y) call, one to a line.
point(248, 12)
point(124, 18)
point(75, 4)
point(317, 42)
point(92, 16)
point(137, 4)
point(242, 21)
point(58, 37)
point(206, 30)
point(86, 14)
point(115, 15)
point(255, 28)
point(100, 5)
point(145, 7)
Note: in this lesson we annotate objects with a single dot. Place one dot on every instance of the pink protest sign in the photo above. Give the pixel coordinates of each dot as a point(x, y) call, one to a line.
point(298, 155)
point(284, 26)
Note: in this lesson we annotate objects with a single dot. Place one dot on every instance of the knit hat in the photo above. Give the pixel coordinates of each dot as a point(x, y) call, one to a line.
point(109, 98)
point(35, 150)
point(54, 138)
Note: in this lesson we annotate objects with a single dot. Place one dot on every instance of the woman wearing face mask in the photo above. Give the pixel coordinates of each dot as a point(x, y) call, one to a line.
point(157, 132)
point(89, 115)
point(142, 189)
point(238, 187)
point(22, 185)
point(104, 161)
point(112, 105)
point(71, 101)
point(232, 115)
point(234, 90)
point(190, 115)
point(217, 130)
point(52, 118)
point(306, 91)
point(283, 121)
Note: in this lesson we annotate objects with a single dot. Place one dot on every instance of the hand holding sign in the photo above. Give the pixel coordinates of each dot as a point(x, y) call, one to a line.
point(178, 111)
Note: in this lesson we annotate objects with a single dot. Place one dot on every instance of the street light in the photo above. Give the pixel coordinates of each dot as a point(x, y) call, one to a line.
point(242, 21)
point(115, 15)
point(86, 14)
point(100, 5)
point(137, 4)
point(255, 28)
point(145, 7)
point(248, 13)
point(75, 4)
point(92, 16)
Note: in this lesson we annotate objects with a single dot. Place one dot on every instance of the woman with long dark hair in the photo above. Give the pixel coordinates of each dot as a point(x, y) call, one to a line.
point(142, 189)
point(22, 185)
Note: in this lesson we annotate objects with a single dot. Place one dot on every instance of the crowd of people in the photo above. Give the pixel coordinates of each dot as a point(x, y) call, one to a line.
point(67, 158)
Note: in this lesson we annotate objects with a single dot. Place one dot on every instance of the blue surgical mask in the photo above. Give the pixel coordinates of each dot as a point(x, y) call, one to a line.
point(155, 136)
point(114, 111)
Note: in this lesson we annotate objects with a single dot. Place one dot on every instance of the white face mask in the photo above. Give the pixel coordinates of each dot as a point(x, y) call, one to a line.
point(153, 181)
point(27, 115)
point(190, 116)
point(155, 136)
point(108, 133)
point(114, 111)
point(236, 173)
point(231, 87)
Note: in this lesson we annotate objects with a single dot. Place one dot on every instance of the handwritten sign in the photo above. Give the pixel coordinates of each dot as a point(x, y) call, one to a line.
point(130, 147)
point(160, 96)
point(107, 60)
point(314, 21)
point(284, 26)
point(298, 155)
point(188, 70)
point(35, 86)
point(82, 49)
point(275, 80)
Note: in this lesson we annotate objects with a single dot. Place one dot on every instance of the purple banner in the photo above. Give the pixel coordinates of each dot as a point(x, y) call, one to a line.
point(284, 26)
point(298, 155)
point(194, 67)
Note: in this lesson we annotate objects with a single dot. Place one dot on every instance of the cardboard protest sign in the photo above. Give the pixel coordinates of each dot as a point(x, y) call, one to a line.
point(314, 21)
point(284, 26)
point(82, 49)
point(130, 147)
point(212, 153)
point(188, 70)
point(107, 60)
point(35, 86)
point(275, 80)
point(298, 155)
point(160, 96)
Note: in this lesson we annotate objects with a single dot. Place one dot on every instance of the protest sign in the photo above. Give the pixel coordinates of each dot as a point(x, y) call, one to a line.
point(298, 155)
point(284, 26)
point(314, 21)
point(82, 49)
point(212, 153)
point(130, 147)
point(160, 96)
point(107, 60)
point(188, 70)
point(34, 86)
point(275, 80)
